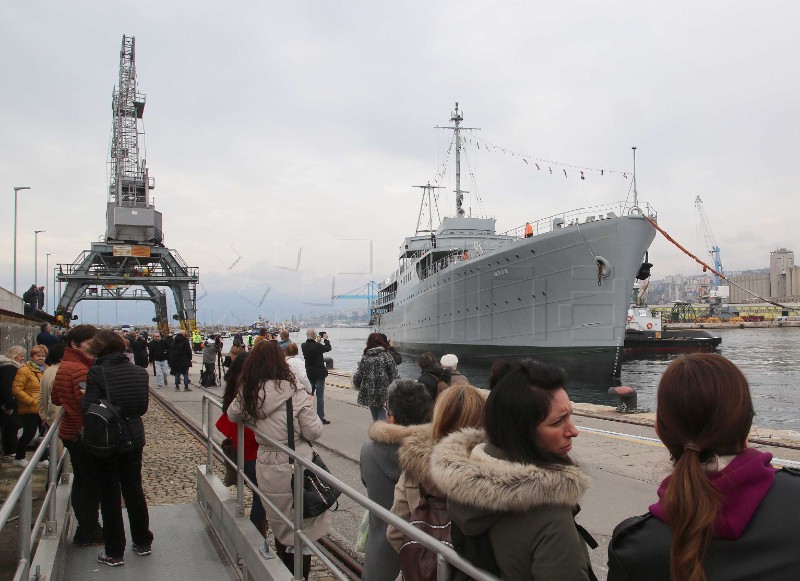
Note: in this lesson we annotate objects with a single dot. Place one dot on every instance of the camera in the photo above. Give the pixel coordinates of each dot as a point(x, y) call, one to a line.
point(322, 333)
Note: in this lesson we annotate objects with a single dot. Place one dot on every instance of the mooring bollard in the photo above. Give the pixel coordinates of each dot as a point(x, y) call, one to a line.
point(627, 397)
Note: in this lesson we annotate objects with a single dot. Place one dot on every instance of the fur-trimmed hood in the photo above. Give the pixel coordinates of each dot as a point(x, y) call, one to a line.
point(415, 457)
point(461, 468)
point(385, 433)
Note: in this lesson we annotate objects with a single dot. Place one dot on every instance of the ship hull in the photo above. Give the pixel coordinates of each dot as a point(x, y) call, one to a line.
point(533, 297)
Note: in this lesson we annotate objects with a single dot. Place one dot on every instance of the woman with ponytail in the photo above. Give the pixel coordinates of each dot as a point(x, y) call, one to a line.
point(724, 513)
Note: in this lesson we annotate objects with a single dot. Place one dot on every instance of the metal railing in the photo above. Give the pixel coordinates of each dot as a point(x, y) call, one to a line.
point(22, 494)
point(445, 556)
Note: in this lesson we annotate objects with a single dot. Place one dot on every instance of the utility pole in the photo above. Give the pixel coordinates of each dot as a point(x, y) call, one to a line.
point(16, 191)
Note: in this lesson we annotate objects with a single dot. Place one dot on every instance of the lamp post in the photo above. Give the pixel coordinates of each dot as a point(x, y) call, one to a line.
point(16, 191)
point(36, 256)
point(47, 276)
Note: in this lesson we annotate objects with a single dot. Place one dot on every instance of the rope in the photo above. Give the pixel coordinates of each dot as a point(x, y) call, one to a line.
point(707, 267)
point(594, 256)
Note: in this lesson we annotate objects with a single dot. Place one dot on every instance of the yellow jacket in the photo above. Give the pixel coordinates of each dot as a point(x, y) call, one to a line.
point(26, 388)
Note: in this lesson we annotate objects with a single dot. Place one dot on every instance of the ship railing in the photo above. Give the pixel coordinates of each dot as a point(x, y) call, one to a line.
point(582, 216)
point(454, 258)
point(446, 557)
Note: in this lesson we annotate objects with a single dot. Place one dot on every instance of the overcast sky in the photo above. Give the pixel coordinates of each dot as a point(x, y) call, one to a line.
point(278, 128)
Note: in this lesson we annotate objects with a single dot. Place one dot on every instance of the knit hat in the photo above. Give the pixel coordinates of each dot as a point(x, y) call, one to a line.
point(449, 361)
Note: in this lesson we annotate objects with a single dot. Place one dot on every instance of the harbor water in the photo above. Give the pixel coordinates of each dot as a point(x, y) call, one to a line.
point(768, 357)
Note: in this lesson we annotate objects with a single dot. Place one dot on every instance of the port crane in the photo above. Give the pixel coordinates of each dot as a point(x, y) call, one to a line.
point(132, 252)
point(368, 292)
point(711, 245)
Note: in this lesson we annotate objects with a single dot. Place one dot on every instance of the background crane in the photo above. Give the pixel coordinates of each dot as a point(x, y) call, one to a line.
point(711, 243)
point(368, 291)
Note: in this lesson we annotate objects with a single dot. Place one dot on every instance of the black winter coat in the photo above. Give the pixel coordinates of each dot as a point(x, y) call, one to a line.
point(313, 353)
point(129, 390)
point(767, 550)
point(159, 350)
point(431, 377)
point(8, 371)
point(139, 348)
point(180, 354)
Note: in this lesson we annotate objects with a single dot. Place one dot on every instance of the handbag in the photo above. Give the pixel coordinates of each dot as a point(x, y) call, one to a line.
point(317, 495)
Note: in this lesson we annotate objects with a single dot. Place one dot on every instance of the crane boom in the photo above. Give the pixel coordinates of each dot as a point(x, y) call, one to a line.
point(711, 243)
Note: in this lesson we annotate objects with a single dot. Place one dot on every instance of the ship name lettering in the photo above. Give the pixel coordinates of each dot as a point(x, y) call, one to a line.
point(501, 272)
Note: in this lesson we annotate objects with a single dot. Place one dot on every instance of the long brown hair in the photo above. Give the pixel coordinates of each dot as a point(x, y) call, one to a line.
point(458, 406)
point(375, 340)
point(704, 409)
point(264, 362)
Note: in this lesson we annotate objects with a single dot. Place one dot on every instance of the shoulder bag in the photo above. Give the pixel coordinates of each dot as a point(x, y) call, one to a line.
point(317, 495)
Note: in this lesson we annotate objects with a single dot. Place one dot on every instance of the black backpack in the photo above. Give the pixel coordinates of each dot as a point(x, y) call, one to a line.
point(105, 432)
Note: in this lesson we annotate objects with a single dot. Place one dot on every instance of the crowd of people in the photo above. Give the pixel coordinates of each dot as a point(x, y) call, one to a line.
point(488, 470)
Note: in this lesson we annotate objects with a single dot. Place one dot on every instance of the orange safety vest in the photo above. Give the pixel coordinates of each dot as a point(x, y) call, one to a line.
point(528, 230)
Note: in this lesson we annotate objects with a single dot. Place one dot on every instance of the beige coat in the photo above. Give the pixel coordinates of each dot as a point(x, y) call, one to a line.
point(273, 468)
point(47, 409)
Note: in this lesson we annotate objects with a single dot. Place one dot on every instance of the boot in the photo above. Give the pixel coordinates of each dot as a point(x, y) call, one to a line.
point(288, 559)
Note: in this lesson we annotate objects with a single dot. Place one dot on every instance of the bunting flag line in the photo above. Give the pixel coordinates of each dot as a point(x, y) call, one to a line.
point(583, 171)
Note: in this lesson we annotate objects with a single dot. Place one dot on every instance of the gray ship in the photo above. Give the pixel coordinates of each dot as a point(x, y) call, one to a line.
point(557, 289)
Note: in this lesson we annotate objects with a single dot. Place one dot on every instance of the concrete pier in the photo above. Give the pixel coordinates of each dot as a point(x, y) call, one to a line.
point(625, 471)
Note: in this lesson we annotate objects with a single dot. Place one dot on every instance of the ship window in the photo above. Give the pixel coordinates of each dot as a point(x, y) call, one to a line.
point(517, 255)
point(507, 259)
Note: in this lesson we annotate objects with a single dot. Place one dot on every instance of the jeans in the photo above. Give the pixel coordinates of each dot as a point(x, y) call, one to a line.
point(85, 492)
point(378, 413)
point(122, 472)
point(30, 424)
point(162, 373)
point(318, 387)
point(178, 378)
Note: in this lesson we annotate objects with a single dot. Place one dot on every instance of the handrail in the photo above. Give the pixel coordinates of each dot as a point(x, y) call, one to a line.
point(444, 553)
point(22, 493)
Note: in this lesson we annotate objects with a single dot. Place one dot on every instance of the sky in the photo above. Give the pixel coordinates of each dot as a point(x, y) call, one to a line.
point(285, 138)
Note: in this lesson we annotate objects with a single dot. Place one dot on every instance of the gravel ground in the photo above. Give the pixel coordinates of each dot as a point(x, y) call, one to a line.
point(168, 472)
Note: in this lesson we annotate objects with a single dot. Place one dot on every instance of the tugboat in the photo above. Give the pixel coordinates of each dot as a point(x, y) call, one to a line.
point(645, 335)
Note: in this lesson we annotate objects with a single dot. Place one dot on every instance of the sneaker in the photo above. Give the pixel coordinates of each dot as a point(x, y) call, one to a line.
point(43, 464)
point(186, 389)
point(110, 561)
point(325, 422)
point(94, 540)
point(21, 463)
point(142, 550)
point(177, 388)
point(159, 386)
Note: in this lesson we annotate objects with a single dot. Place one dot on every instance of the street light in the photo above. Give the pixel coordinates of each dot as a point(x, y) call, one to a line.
point(16, 190)
point(47, 276)
point(36, 256)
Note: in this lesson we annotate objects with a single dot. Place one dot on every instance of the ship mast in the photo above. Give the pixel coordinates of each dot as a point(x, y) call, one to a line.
point(456, 117)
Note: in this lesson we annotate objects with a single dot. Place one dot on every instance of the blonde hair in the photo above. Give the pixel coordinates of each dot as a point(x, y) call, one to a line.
point(15, 351)
point(39, 349)
point(458, 406)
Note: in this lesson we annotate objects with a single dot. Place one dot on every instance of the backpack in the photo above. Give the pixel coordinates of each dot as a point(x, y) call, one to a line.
point(416, 562)
point(105, 432)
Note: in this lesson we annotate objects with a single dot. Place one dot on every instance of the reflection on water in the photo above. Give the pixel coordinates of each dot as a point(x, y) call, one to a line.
point(768, 357)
